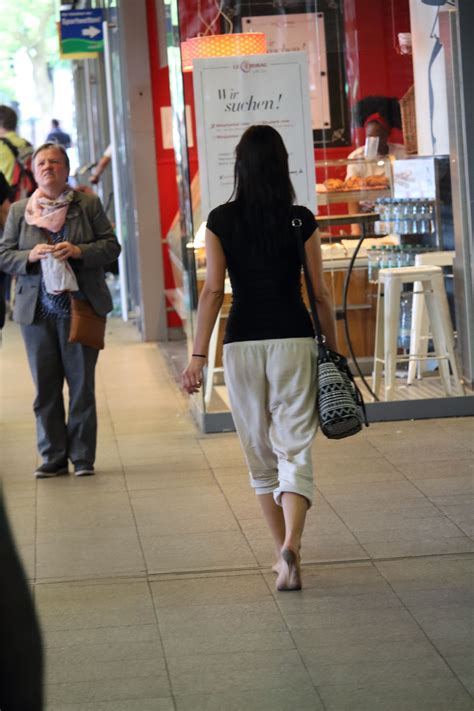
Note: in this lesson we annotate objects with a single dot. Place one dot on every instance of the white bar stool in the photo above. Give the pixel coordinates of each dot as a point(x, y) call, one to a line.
point(420, 332)
point(387, 324)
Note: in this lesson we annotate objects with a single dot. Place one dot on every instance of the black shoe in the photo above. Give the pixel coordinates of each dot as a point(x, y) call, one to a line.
point(46, 471)
point(83, 469)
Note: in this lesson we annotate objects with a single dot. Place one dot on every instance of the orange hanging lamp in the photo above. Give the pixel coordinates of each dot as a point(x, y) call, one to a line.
point(228, 45)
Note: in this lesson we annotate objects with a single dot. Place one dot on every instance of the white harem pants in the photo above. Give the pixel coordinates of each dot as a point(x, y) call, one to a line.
point(272, 391)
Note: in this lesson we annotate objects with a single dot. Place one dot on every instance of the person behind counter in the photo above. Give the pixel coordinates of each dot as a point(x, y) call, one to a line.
point(69, 225)
point(269, 346)
point(378, 115)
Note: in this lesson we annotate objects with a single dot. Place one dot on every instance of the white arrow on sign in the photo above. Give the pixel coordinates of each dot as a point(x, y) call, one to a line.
point(90, 32)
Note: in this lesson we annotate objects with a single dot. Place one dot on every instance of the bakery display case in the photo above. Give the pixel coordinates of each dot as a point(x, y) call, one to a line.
point(352, 180)
point(347, 191)
point(375, 213)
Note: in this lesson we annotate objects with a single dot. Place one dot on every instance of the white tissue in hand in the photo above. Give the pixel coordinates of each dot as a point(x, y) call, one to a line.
point(58, 276)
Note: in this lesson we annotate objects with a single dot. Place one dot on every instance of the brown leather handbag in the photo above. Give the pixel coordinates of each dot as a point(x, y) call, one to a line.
point(87, 327)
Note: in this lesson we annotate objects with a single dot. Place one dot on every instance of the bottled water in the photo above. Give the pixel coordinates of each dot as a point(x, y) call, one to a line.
point(404, 330)
point(114, 287)
point(373, 265)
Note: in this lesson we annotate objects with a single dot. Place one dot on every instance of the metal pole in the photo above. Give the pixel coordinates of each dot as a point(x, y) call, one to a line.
point(115, 171)
point(90, 120)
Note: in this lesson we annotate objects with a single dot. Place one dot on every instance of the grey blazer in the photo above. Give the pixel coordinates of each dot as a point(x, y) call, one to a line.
point(88, 227)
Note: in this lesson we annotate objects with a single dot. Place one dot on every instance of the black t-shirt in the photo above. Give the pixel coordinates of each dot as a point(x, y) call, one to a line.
point(267, 301)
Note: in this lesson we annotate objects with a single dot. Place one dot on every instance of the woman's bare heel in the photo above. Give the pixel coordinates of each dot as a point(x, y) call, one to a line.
point(289, 576)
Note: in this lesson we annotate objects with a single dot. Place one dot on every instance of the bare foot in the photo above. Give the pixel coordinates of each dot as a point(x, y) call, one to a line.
point(289, 574)
point(276, 566)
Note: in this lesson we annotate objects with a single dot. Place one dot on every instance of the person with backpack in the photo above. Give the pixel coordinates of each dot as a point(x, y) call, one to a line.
point(15, 165)
point(15, 156)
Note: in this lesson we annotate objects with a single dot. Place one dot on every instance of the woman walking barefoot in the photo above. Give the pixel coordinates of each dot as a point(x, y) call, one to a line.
point(269, 347)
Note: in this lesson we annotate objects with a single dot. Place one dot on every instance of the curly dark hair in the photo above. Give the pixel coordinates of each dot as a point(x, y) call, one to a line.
point(387, 106)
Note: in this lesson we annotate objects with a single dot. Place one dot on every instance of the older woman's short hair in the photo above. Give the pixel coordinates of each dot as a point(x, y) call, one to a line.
point(52, 144)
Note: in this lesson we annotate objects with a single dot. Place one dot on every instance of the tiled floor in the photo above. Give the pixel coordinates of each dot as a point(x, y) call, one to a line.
point(152, 579)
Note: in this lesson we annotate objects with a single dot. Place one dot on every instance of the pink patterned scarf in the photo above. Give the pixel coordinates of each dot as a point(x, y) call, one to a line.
point(50, 214)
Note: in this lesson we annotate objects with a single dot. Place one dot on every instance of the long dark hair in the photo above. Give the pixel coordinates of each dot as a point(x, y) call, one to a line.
point(262, 186)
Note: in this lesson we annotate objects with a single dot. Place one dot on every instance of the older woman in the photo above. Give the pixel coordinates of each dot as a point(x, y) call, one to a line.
point(71, 226)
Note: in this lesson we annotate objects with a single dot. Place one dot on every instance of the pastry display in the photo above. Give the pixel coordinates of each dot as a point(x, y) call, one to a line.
point(332, 184)
point(377, 181)
point(355, 182)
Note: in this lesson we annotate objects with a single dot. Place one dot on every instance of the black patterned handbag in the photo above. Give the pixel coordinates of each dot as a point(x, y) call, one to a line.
point(340, 404)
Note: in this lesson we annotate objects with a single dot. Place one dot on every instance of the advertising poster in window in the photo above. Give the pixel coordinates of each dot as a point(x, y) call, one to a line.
point(233, 93)
point(303, 31)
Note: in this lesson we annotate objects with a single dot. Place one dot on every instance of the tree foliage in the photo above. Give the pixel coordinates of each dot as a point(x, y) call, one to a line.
point(28, 26)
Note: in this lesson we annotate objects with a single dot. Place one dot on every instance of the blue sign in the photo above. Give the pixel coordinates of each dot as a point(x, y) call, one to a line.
point(81, 31)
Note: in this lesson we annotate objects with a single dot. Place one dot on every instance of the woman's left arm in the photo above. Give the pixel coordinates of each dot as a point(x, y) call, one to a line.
point(105, 248)
point(210, 302)
point(14, 260)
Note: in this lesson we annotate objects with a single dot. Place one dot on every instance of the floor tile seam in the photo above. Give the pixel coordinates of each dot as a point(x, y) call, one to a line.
point(384, 454)
point(35, 546)
point(80, 704)
point(228, 503)
point(165, 658)
point(289, 631)
point(64, 648)
point(115, 676)
point(244, 570)
point(379, 558)
point(435, 505)
point(122, 469)
point(352, 533)
point(426, 657)
point(46, 632)
point(425, 634)
point(173, 381)
point(252, 653)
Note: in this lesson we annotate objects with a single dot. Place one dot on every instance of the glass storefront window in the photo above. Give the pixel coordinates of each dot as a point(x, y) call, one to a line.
point(383, 186)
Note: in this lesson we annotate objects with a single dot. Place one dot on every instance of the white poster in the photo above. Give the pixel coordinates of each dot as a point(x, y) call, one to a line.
point(414, 178)
point(233, 93)
point(301, 31)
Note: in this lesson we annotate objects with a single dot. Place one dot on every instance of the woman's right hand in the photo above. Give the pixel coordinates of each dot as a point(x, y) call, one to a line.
point(191, 378)
point(40, 251)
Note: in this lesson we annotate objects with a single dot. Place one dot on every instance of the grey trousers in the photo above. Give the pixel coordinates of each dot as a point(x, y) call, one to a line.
point(52, 359)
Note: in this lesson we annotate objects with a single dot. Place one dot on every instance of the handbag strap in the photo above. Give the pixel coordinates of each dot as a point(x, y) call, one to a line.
point(297, 224)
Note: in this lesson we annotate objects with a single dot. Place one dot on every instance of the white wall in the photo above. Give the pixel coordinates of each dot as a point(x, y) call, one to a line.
point(422, 19)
